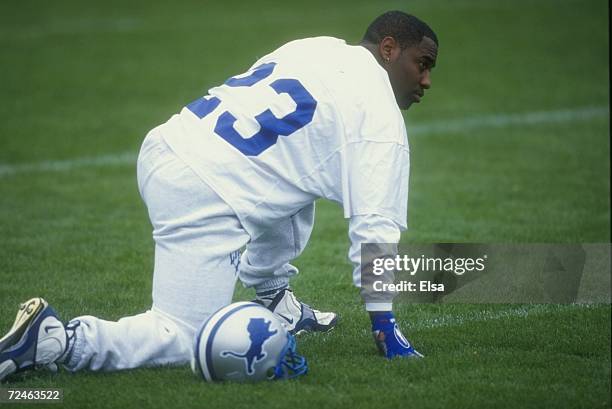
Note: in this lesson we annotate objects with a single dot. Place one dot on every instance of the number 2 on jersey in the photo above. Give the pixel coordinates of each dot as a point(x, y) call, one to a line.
point(271, 127)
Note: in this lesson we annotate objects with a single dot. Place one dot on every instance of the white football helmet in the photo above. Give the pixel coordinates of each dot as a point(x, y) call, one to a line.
point(245, 342)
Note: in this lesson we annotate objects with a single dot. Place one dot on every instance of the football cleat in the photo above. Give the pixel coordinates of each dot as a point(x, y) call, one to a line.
point(389, 339)
point(297, 316)
point(245, 342)
point(37, 338)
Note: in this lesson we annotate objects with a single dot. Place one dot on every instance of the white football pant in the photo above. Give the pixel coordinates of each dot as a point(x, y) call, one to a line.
point(197, 260)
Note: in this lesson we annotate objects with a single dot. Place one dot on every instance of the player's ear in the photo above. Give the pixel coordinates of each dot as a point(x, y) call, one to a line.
point(389, 49)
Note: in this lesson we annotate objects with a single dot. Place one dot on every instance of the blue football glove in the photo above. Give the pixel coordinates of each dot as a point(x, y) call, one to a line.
point(389, 339)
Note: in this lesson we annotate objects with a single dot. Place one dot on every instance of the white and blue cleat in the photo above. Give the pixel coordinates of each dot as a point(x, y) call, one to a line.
point(298, 317)
point(36, 339)
point(389, 339)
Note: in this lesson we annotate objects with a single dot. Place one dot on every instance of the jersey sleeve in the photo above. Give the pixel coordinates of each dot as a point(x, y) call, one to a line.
point(375, 180)
point(376, 160)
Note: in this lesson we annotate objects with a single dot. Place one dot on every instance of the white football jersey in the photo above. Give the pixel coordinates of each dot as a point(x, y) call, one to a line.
point(315, 118)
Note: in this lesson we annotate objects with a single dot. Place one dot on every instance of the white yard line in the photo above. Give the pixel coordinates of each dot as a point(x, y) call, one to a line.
point(519, 311)
point(505, 120)
point(69, 164)
point(436, 127)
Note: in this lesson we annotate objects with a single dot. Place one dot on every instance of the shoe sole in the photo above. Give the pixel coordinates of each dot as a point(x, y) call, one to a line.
point(28, 311)
point(320, 329)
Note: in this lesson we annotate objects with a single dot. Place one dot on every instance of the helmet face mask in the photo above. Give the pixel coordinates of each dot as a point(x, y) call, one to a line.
point(292, 364)
point(245, 342)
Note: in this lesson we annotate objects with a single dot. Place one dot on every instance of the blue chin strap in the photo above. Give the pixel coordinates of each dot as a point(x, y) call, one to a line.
point(291, 365)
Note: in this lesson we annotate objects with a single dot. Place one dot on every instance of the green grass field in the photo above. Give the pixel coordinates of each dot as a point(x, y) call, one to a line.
point(511, 144)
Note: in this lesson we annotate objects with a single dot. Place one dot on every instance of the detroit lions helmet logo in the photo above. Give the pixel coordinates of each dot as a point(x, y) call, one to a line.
point(259, 333)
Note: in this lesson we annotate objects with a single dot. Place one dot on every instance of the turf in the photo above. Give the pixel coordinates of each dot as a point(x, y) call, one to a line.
point(81, 80)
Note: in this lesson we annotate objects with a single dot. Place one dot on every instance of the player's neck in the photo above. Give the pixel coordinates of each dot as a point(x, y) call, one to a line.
point(373, 48)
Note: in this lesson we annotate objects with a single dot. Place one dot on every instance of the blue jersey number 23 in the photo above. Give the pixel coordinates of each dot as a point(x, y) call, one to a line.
point(270, 126)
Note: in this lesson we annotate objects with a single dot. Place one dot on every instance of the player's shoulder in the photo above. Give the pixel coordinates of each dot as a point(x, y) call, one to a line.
point(305, 49)
point(320, 42)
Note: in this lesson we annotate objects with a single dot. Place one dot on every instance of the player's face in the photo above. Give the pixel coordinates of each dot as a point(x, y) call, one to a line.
point(410, 72)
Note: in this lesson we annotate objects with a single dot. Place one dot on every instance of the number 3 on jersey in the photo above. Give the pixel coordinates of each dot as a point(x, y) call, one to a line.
point(271, 127)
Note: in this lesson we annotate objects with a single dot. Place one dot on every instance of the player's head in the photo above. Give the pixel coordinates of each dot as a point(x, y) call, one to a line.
point(407, 49)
